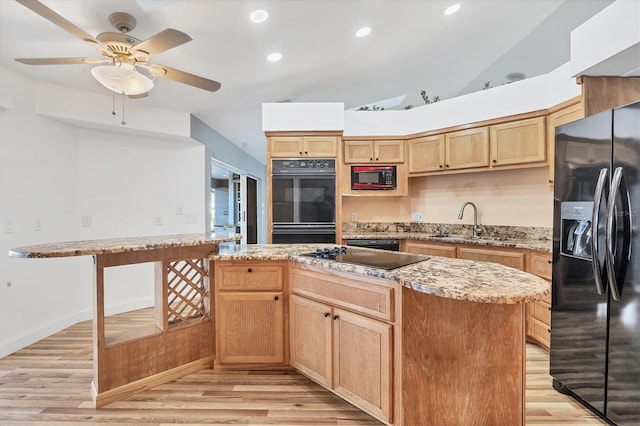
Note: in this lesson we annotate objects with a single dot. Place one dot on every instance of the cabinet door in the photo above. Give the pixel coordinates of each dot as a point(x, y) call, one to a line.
point(426, 154)
point(362, 351)
point(388, 151)
point(320, 146)
point(467, 149)
point(558, 118)
point(249, 275)
point(358, 151)
point(430, 249)
point(250, 327)
point(518, 142)
point(507, 258)
point(286, 146)
point(310, 339)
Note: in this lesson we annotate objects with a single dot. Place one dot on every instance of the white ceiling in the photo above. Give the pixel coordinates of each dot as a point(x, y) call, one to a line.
point(413, 46)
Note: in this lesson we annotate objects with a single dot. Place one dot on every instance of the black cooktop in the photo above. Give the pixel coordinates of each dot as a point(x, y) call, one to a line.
point(377, 258)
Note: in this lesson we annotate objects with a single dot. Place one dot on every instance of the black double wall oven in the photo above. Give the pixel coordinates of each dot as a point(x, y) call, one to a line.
point(303, 194)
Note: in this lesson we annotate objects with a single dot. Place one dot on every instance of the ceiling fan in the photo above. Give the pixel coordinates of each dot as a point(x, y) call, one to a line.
point(128, 71)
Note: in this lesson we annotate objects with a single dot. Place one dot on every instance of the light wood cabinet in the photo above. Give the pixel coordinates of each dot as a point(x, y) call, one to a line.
point(334, 343)
point(539, 312)
point(558, 118)
point(249, 312)
point(518, 142)
point(431, 249)
point(303, 146)
point(467, 149)
point(426, 154)
point(373, 151)
point(514, 259)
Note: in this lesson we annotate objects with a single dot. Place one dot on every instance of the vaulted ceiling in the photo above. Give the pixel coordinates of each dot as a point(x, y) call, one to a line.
point(412, 46)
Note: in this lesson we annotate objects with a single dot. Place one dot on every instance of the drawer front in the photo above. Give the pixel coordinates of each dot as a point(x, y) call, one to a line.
point(249, 276)
point(431, 249)
point(512, 259)
point(369, 299)
point(540, 311)
point(541, 266)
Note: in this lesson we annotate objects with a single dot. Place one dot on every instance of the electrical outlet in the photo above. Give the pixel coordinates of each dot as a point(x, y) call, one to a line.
point(37, 224)
point(85, 221)
point(354, 217)
point(416, 217)
point(190, 219)
point(8, 227)
point(158, 220)
point(179, 209)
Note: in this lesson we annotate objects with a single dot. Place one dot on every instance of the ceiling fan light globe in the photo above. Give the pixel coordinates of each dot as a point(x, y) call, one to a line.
point(122, 79)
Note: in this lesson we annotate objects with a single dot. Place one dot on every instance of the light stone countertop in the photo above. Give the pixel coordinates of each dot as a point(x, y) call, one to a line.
point(119, 245)
point(542, 245)
point(457, 279)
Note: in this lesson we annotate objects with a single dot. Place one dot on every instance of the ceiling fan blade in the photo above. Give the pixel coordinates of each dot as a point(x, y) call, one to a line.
point(58, 20)
point(185, 77)
point(60, 61)
point(164, 40)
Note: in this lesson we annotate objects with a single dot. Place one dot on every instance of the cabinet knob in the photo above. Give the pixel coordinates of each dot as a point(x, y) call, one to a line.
point(305, 152)
point(326, 314)
point(495, 161)
point(550, 180)
point(276, 298)
point(300, 152)
point(377, 158)
point(549, 261)
point(370, 158)
point(549, 308)
point(549, 329)
point(335, 317)
point(447, 165)
point(249, 270)
point(440, 165)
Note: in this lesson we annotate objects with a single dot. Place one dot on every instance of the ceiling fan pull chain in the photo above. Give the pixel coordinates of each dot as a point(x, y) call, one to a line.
point(123, 122)
point(113, 103)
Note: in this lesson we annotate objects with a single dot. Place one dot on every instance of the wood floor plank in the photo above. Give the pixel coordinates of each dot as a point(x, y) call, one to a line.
point(48, 384)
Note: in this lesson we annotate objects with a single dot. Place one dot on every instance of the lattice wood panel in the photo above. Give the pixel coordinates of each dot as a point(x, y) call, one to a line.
point(187, 292)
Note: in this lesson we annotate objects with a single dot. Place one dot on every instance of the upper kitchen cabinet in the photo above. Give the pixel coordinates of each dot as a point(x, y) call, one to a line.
point(566, 113)
point(387, 151)
point(518, 142)
point(466, 149)
point(426, 154)
point(312, 146)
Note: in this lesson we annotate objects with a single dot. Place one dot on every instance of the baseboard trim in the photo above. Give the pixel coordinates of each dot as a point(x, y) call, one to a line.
point(113, 395)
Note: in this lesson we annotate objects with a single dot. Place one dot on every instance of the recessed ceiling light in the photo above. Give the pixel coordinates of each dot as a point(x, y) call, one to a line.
point(363, 32)
point(258, 16)
point(274, 57)
point(515, 76)
point(452, 9)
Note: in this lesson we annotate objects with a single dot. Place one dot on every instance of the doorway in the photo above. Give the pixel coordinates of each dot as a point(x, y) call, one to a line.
point(233, 203)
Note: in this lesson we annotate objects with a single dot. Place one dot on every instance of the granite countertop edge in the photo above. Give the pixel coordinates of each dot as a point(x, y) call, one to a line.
point(119, 245)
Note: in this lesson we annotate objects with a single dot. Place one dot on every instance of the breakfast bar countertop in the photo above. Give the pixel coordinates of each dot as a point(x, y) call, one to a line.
point(118, 245)
point(457, 279)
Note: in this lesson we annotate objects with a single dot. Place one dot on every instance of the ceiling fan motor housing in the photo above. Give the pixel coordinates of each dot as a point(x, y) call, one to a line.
point(122, 21)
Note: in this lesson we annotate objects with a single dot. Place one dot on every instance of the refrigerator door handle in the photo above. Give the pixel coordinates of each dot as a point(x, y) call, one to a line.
point(597, 199)
point(610, 232)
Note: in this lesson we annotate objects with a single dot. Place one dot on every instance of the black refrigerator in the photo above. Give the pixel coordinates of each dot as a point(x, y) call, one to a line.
point(595, 304)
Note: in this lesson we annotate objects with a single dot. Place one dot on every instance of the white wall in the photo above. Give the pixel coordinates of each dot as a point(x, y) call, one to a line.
point(59, 173)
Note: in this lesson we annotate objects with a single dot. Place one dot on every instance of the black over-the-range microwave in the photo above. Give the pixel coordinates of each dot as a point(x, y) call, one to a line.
point(373, 177)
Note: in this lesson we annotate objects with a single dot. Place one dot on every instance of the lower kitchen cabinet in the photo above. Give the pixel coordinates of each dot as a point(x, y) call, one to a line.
point(512, 258)
point(419, 247)
point(249, 312)
point(539, 312)
point(343, 350)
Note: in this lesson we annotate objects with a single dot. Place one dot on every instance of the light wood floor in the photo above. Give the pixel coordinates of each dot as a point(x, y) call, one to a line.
point(48, 383)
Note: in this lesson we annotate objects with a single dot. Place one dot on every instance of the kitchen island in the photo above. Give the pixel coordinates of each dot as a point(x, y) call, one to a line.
point(438, 342)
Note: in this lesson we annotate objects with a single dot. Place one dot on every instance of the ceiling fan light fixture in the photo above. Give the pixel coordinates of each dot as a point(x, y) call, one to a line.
point(122, 79)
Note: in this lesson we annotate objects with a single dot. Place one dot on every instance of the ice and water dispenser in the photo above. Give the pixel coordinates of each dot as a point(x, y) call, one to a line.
point(576, 229)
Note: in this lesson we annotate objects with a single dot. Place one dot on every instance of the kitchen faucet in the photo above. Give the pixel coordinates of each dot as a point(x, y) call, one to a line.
point(476, 228)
